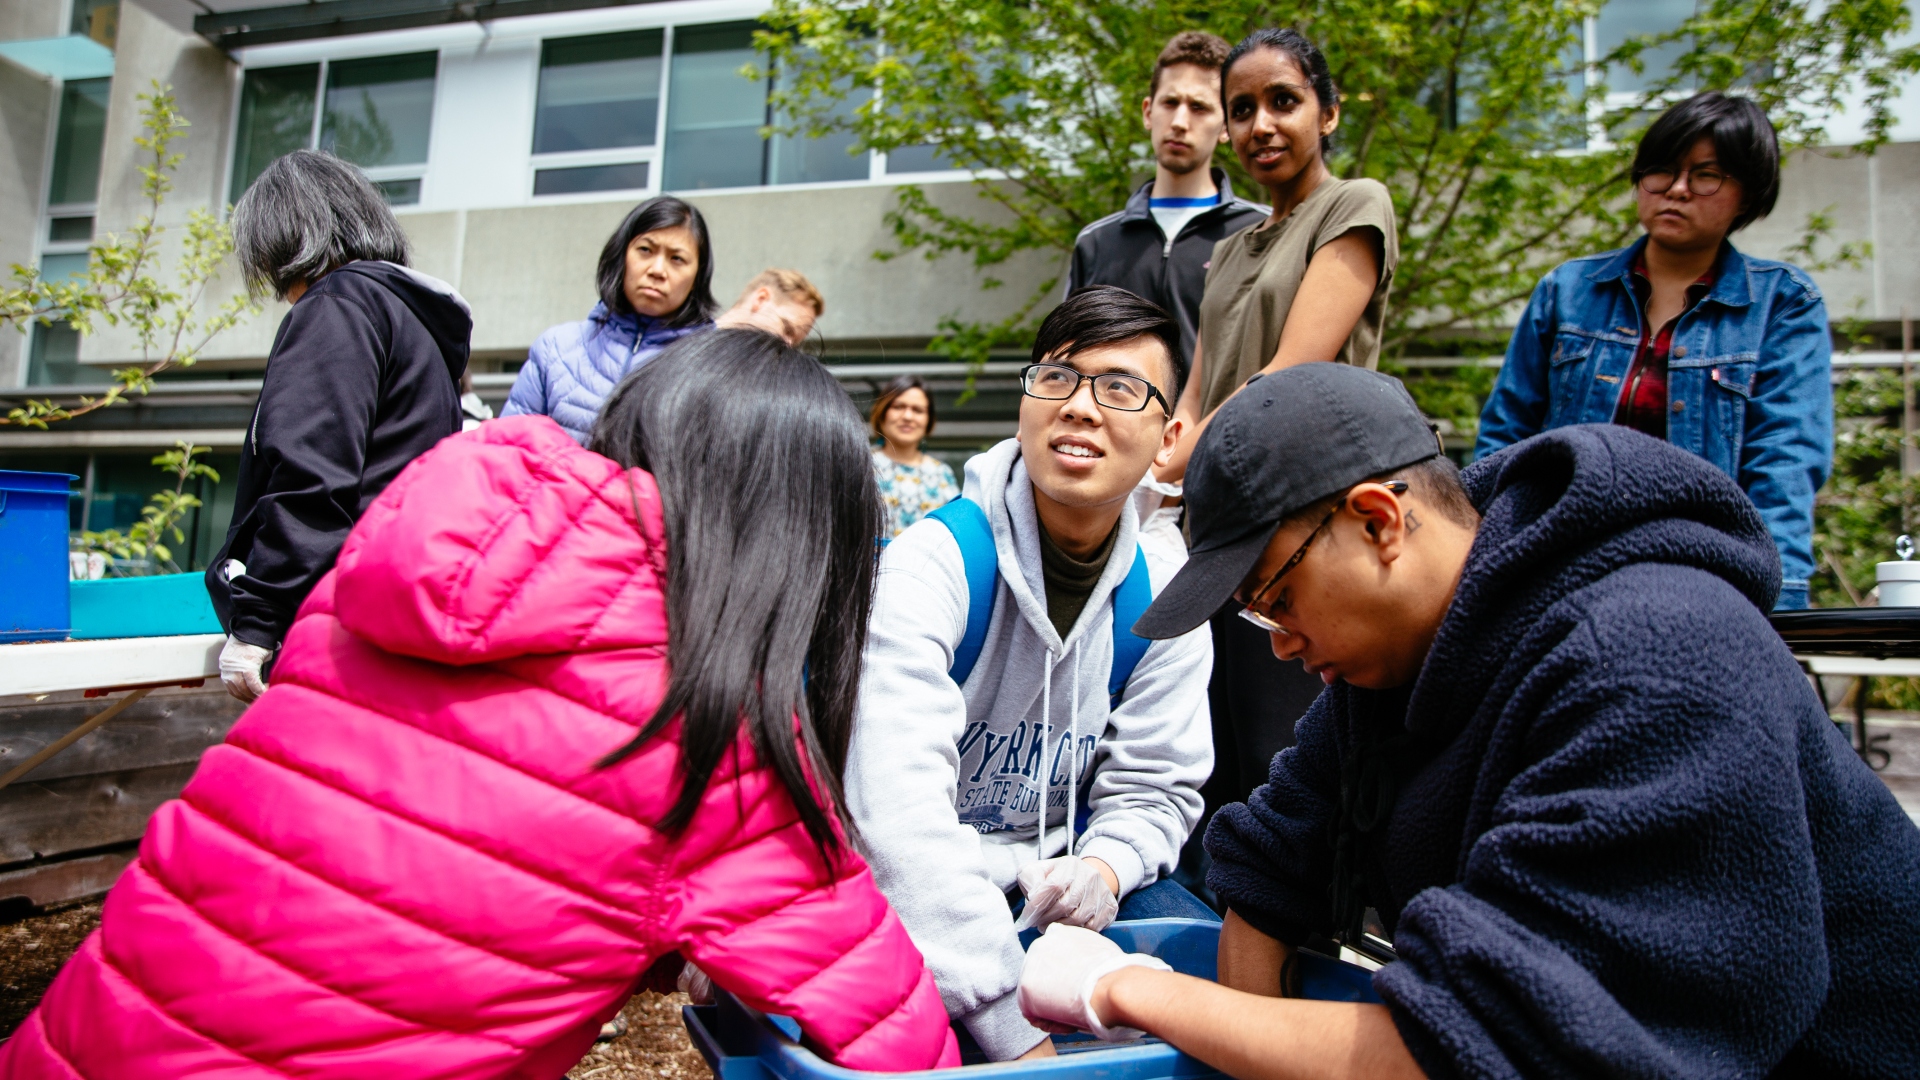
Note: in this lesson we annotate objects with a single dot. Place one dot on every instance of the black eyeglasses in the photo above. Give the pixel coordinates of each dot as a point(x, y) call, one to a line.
point(1701, 179)
point(1265, 621)
point(1113, 390)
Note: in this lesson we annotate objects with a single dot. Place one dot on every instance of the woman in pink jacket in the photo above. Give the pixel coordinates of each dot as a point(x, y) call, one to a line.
point(478, 802)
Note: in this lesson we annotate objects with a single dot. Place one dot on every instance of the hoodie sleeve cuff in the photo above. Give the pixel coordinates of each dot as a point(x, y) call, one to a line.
point(1001, 1030)
point(1118, 854)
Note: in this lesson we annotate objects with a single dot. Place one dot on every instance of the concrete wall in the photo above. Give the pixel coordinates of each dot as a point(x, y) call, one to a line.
point(1873, 200)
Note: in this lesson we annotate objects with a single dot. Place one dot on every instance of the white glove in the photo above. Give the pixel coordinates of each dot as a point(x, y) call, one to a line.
point(240, 665)
point(1063, 967)
point(694, 983)
point(1069, 890)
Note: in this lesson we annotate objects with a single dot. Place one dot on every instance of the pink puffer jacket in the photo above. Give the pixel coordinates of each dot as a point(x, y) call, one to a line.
point(403, 862)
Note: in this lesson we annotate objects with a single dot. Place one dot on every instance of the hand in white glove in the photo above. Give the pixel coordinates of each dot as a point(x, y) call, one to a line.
point(1069, 890)
point(1062, 969)
point(240, 665)
point(695, 984)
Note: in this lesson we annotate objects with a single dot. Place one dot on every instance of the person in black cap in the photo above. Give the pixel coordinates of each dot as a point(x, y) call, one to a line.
point(1599, 811)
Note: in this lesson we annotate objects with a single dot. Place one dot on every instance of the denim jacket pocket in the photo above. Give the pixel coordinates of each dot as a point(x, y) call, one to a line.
point(1727, 392)
point(1568, 381)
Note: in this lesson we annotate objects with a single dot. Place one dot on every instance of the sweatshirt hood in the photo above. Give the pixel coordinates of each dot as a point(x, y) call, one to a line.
point(509, 540)
point(439, 307)
point(1560, 512)
point(997, 480)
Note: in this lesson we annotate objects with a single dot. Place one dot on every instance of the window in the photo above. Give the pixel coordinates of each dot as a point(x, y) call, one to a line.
point(797, 159)
point(53, 354)
point(53, 357)
point(77, 142)
point(276, 116)
point(927, 157)
point(597, 120)
point(714, 116)
point(96, 19)
point(376, 112)
point(627, 176)
point(1620, 19)
point(598, 92)
point(380, 111)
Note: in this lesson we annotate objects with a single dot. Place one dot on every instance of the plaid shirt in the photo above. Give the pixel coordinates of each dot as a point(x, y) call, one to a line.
point(1643, 394)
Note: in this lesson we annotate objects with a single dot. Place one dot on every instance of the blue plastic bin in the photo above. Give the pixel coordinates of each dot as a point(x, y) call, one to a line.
point(742, 1044)
point(143, 607)
point(33, 555)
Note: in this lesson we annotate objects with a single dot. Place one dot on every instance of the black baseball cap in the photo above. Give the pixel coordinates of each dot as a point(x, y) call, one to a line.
point(1283, 443)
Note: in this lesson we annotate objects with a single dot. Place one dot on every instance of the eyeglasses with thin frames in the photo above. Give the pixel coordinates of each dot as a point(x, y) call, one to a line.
point(1265, 621)
point(1112, 390)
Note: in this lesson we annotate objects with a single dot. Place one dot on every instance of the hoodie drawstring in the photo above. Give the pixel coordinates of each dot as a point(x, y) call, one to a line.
point(1046, 779)
point(1073, 751)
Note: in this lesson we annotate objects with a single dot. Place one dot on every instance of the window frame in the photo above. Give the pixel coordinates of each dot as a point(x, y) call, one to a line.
point(653, 155)
point(43, 242)
point(377, 175)
point(458, 45)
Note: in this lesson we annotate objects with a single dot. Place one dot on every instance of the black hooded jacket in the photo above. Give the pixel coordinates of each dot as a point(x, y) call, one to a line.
point(1128, 249)
point(1621, 837)
point(364, 377)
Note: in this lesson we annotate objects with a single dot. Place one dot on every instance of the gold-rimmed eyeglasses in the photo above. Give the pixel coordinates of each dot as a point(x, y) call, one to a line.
point(1264, 618)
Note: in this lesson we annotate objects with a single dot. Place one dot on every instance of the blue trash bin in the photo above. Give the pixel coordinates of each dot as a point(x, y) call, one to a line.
point(742, 1044)
point(33, 556)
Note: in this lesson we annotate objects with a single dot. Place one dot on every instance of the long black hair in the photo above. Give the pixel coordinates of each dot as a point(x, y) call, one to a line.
point(1312, 63)
point(659, 212)
point(772, 520)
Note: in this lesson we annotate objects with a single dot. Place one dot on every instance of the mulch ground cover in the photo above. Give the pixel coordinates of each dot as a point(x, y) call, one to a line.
point(655, 1046)
point(31, 952)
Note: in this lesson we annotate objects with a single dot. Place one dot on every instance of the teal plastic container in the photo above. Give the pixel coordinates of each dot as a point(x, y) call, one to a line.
point(158, 606)
point(33, 555)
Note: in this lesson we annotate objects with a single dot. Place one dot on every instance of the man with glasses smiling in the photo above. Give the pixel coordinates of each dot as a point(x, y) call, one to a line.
point(1603, 818)
point(1001, 676)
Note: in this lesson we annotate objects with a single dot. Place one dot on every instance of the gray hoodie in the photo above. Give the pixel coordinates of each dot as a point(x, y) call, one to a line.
point(945, 781)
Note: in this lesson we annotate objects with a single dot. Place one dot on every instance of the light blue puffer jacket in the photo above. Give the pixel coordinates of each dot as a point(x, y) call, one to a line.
point(573, 367)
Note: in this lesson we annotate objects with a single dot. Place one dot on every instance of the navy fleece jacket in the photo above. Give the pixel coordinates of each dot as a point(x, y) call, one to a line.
point(1629, 841)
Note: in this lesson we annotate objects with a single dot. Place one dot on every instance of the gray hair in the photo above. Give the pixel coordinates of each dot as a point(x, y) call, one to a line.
point(307, 213)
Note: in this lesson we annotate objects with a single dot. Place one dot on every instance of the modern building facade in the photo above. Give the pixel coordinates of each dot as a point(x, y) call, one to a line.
point(510, 145)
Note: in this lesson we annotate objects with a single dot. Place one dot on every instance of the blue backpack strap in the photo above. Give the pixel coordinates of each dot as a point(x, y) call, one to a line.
point(968, 523)
point(1130, 601)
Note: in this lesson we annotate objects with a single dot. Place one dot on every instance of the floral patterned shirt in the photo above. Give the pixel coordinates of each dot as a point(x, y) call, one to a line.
point(911, 492)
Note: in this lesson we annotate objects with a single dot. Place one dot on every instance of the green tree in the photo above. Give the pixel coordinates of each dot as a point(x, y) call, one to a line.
point(1496, 139)
point(121, 287)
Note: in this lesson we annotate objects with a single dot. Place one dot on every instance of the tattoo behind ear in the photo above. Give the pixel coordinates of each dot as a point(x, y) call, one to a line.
point(1413, 523)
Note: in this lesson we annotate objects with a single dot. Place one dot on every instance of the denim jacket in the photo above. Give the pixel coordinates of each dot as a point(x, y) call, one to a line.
point(1748, 382)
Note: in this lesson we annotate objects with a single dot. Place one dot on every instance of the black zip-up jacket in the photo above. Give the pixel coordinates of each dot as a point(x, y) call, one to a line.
point(1127, 249)
point(364, 377)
